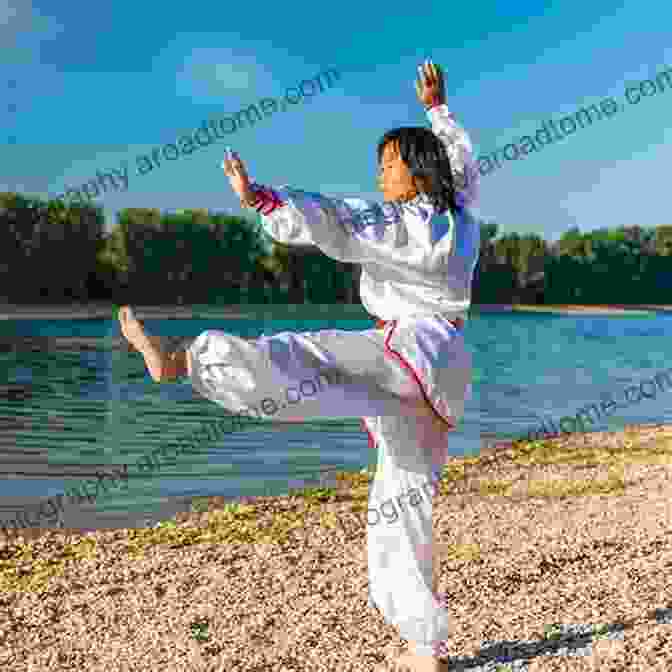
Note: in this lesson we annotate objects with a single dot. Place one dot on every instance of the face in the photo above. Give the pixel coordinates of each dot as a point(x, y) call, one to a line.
point(395, 180)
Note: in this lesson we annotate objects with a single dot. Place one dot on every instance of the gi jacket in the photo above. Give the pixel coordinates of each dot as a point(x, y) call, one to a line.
point(415, 262)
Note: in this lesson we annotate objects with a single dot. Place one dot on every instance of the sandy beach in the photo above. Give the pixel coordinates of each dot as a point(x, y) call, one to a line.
point(536, 540)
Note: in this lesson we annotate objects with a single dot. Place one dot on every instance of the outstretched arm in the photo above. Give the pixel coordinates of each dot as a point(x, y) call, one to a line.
point(351, 230)
point(430, 88)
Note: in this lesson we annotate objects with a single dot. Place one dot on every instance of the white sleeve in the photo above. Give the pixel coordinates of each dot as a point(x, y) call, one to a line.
point(351, 230)
point(458, 145)
point(467, 239)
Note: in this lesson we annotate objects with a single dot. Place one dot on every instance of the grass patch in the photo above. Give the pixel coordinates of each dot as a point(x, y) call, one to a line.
point(539, 453)
point(495, 488)
point(199, 504)
point(199, 630)
point(557, 488)
point(24, 571)
point(553, 631)
point(463, 552)
point(454, 472)
point(601, 631)
point(314, 496)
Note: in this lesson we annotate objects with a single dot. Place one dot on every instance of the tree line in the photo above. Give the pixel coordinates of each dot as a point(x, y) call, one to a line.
point(51, 253)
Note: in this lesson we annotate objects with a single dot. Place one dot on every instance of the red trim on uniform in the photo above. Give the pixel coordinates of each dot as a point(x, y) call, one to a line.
point(372, 441)
point(409, 367)
point(267, 200)
point(458, 323)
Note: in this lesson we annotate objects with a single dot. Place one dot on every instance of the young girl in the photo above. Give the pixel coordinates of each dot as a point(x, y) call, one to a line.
point(408, 377)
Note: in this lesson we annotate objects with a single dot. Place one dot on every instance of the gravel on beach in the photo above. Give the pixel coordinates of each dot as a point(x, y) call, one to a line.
point(553, 556)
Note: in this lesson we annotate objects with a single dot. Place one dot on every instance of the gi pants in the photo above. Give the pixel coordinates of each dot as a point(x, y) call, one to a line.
point(372, 374)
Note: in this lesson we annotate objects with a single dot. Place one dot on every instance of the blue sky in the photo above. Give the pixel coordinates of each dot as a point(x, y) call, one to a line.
point(98, 84)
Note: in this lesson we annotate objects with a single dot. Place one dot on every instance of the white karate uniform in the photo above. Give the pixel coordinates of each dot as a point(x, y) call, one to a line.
point(417, 269)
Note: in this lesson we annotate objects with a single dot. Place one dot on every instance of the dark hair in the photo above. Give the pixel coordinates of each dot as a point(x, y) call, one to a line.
point(425, 156)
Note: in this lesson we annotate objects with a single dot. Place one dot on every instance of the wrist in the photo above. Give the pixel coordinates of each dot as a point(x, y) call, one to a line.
point(264, 200)
point(434, 102)
point(249, 197)
point(179, 364)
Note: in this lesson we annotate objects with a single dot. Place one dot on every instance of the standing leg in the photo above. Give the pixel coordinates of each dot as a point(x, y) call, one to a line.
point(400, 535)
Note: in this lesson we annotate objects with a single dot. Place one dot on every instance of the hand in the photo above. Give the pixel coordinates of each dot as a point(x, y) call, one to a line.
point(430, 85)
point(234, 169)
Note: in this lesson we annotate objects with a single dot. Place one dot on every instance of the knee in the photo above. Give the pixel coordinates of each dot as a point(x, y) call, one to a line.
point(204, 343)
point(203, 338)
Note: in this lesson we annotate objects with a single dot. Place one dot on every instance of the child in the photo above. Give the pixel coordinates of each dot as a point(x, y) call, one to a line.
point(408, 377)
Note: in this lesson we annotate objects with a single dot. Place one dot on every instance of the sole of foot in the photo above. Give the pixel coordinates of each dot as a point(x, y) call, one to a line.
point(133, 331)
point(149, 347)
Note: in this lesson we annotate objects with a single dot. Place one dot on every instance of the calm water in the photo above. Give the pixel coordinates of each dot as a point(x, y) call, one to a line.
point(68, 410)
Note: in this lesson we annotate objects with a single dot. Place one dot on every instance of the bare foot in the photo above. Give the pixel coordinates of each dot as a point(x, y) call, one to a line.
point(148, 346)
point(410, 662)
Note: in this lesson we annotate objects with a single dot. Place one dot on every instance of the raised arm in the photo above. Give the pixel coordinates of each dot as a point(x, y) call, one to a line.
point(430, 88)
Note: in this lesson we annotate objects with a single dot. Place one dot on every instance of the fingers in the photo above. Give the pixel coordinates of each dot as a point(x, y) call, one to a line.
point(425, 74)
point(232, 163)
point(433, 71)
point(439, 75)
point(429, 76)
point(440, 80)
point(228, 167)
point(228, 162)
point(421, 74)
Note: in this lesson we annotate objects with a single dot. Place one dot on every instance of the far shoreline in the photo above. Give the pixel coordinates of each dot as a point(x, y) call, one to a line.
point(103, 311)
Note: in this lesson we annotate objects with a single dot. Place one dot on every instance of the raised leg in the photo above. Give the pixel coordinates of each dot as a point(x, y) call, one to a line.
point(162, 367)
point(296, 376)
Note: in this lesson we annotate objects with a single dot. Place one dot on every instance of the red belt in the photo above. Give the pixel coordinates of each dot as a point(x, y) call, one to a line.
point(458, 323)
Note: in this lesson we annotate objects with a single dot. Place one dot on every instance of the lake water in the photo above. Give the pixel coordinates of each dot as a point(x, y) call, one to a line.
point(69, 410)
